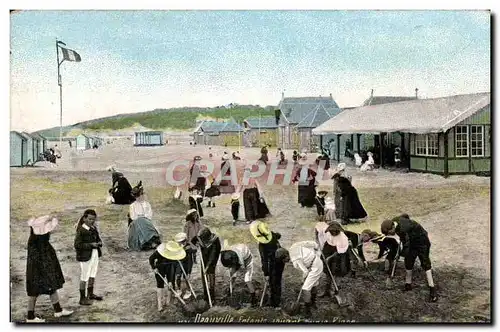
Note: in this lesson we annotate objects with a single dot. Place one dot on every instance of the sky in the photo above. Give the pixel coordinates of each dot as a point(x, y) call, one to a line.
point(134, 61)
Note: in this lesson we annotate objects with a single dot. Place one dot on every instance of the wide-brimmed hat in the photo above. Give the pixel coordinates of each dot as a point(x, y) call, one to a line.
point(261, 232)
point(180, 237)
point(322, 193)
point(111, 168)
point(225, 156)
point(235, 196)
point(43, 225)
point(171, 250)
point(190, 212)
point(340, 167)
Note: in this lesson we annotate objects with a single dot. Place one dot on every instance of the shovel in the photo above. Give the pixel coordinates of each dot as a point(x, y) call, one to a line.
point(187, 308)
point(263, 294)
point(205, 279)
point(295, 307)
point(342, 302)
point(365, 267)
point(200, 304)
point(233, 303)
point(388, 281)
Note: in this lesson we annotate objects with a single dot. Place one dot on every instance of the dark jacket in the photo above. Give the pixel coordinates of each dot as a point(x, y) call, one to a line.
point(83, 239)
point(351, 206)
point(268, 254)
point(412, 234)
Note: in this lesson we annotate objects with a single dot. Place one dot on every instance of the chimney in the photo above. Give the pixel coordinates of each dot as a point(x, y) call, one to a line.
point(416, 93)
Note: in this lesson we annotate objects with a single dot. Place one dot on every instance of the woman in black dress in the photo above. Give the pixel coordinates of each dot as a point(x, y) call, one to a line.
point(306, 177)
point(43, 271)
point(351, 208)
point(121, 189)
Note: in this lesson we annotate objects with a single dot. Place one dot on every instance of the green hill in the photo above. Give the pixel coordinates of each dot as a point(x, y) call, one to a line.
point(174, 119)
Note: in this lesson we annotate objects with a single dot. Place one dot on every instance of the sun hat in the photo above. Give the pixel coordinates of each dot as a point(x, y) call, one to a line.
point(228, 258)
point(341, 167)
point(225, 156)
point(235, 196)
point(171, 250)
point(190, 212)
point(180, 237)
point(322, 193)
point(111, 168)
point(42, 225)
point(260, 231)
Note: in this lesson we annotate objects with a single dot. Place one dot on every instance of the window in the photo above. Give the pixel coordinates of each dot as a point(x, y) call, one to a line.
point(426, 145)
point(461, 142)
point(477, 141)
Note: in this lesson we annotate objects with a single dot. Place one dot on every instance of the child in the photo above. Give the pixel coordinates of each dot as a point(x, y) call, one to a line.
point(88, 246)
point(235, 207)
point(415, 244)
point(191, 228)
point(165, 261)
point(195, 201)
point(239, 258)
point(210, 247)
point(43, 271)
point(320, 202)
point(268, 244)
point(187, 264)
point(305, 257)
point(212, 191)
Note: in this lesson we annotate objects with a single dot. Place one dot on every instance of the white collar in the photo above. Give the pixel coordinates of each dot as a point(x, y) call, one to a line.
point(86, 227)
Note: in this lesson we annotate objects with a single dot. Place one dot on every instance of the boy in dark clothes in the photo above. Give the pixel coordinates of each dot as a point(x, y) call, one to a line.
point(268, 244)
point(195, 200)
point(415, 244)
point(235, 207)
point(88, 246)
point(320, 202)
point(165, 261)
point(210, 247)
point(187, 265)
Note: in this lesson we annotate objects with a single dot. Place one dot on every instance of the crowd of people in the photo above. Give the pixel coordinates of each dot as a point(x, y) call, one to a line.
point(334, 252)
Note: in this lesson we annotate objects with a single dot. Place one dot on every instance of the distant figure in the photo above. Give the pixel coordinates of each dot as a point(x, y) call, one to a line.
point(69, 142)
point(358, 160)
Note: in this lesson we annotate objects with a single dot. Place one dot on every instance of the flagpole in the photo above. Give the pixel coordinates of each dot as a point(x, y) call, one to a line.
point(59, 82)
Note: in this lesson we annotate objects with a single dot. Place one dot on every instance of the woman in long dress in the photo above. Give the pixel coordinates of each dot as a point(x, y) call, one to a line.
point(43, 271)
point(340, 170)
point(351, 207)
point(121, 190)
point(306, 177)
point(196, 176)
point(142, 233)
point(226, 186)
point(253, 200)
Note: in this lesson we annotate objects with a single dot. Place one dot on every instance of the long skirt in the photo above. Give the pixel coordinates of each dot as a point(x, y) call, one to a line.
point(254, 208)
point(307, 195)
point(213, 191)
point(226, 187)
point(43, 271)
point(143, 235)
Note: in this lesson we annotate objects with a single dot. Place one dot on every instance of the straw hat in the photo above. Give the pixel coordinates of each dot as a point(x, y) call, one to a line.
point(180, 237)
point(190, 212)
point(260, 231)
point(235, 196)
point(171, 250)
point(225, 156)
point(42, 225)
point(341, 167)
point(111, 168)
